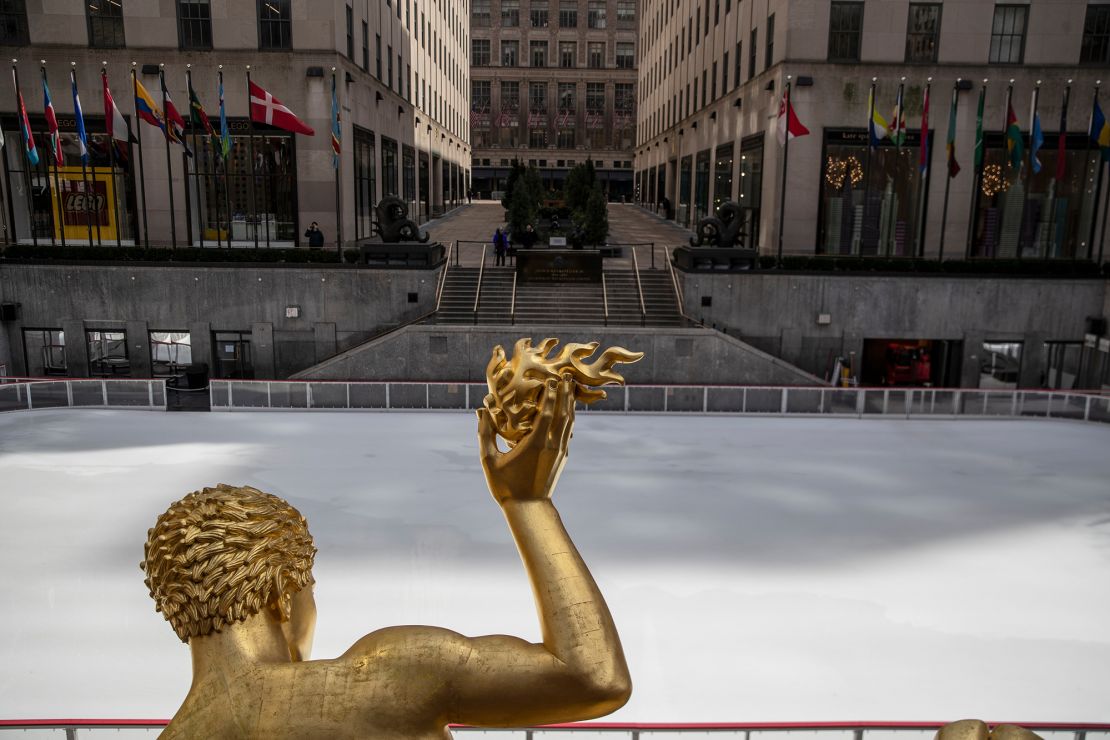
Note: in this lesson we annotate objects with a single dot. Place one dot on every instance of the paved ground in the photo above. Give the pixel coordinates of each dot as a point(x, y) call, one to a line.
point(628, 224)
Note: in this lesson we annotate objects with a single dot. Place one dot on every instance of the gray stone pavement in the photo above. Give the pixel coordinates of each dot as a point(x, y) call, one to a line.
point(628, 224)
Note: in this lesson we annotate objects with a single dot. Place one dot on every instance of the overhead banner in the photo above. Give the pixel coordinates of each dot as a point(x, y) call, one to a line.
point(81, 207)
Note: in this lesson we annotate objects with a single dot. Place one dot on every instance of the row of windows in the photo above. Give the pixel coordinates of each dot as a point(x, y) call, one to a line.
point(566, 98)
point(539, 54)
point(545, 13)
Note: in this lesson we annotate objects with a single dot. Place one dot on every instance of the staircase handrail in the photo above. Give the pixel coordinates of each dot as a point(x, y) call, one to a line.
point(605, 298)
point(478, 291)
point(639, 287)
point(512, 305)
point(680, 300)
point(442, 282)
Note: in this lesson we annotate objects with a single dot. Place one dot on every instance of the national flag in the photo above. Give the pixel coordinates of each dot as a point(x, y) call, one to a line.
point(1014, 144)
point(788, 124)
point(199, 117)
point(113, 119)
point(923, 160)
point(175, 130)
point(897, 126)
point(336, 131)
point(1062, 139)
point(876, 127)
point(225, 134)
point(265, 108)
point(953, 165)
point(79, 119)
point(28, 137)
point(147, 110)
point(1036, 141)
point(53, 136)
point(979, 130)
point(1100, 131)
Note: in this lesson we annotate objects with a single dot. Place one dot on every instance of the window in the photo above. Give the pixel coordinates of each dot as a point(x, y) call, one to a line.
point(537, 138)
point(378, 55)
point(408, 174)
point(596, 52)
point(45, 352)
point(107, 353)
point(751, 52)
point(366, 190)
point(538, 53)
point(1096, 36)
point(275, 26)
point(510, 13)
point(350, 33)
point(626, 12)
point(736, 73)
point(480, 52)
point(194, 24)
point(538, 14)
point(13, 23)
point(568, 99)
point(1008, 34)
point(479, 13)
point(537, 97)
point(568, 54)
point(596, 14)
point(389, 166)
point(1000, 364)
point(724, 74)
point(170, 353)
point(480, 97)
point(389, 71)
point(595, 97)
point(510, 53)
point(566, 139)
point(231, 355)
point(923, 33)
point(568, 14)
point(769, 59)
point(626, 55)
point(365, 46)
point(845, 31)
point(105, 23)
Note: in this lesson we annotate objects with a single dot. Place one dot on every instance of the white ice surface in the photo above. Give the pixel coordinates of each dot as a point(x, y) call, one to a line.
point(758, 569)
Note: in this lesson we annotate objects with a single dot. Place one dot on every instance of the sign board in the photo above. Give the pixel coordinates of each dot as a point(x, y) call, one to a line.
point(1090, 341)
point(557, 241)
point(85, 198)
point(558, 266)
point(1104, 345)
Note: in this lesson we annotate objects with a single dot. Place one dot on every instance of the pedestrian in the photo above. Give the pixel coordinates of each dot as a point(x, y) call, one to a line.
point(315, 236)
point(528, 238)
point(470, 196)
point(500, 247)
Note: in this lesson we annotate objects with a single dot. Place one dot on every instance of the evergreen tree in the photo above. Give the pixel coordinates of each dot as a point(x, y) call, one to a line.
point(522, 202)
point(579, 185)
point(595, 221)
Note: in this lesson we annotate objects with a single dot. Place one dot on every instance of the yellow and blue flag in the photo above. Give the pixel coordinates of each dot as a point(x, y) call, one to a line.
point(1100, 132)
point(877, 127)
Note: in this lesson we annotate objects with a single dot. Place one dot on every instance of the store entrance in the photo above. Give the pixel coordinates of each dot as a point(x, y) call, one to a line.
point(911, 363)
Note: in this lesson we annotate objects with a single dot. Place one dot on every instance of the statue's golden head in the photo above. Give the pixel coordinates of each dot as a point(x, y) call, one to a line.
point(515, 385)
point(223, 554)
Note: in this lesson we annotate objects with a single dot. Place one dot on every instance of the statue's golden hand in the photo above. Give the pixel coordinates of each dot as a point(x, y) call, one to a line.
point(530, 470)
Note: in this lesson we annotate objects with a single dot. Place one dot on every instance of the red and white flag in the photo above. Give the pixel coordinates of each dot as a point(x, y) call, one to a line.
point(117, 126)
point(265, 108)
point(788, 123)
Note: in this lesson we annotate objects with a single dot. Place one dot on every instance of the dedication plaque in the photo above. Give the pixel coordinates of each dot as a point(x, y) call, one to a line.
point(558, 266)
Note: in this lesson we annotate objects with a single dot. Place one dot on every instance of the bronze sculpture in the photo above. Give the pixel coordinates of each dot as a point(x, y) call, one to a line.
point(230, 569)
point(722, 230)
point(393, 223)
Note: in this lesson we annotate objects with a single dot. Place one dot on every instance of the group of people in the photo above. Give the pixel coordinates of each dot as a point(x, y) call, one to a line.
point(503, 242)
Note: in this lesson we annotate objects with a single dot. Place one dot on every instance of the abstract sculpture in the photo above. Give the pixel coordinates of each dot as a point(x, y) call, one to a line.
point(722, 230)
point(394, 224)
point(231, 570)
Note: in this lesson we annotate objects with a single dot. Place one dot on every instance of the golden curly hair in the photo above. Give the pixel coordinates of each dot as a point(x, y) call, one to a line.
point(221, 555)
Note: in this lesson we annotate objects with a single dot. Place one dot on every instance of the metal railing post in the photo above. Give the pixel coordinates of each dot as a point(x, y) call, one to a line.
point(639, 288)
point(230, 396)
point(104, 392)
point(69, 394)
point(387, 396)
point(705, 399)
point(512, 305)
point(1086, 417)
point(783, 404)
point(308, 395)
point(478, 290)
point(30, 404)
point(150, 393)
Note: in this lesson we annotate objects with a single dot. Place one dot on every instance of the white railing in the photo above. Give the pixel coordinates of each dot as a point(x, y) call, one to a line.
point(74, 729)
point(236, 395)
point(92, 393)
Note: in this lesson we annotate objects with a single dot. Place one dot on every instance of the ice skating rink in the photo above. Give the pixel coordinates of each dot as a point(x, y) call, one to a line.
point(758, 569)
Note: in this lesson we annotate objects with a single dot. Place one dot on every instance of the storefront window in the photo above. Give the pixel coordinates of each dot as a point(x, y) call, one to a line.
point(880, 219)
point(408, 175)
point(44, 351)
point(683, 215)
point(170, 352)
point(389, 166)
point(1019, 213)
point(661, 189)
point(1062, 362)
point(48, 204)
point(722, 188)
point(1000, 365)
point(701, 186)
point(751, 186)
point(366, 190)
point(107, 353)
point(231, 355)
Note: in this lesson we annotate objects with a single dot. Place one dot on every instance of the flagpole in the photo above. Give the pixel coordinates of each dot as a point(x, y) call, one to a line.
point(1051, 241)
point(338, 161)
point(785, 156)
point(112, 165)
point(84, 169)
point(947, 169)
point(899, 134)
point(1105, 217)
point(169, 166)
point(224, 157)
point(54, 165)
point(139, 145)
point(26, 157)
point(866, 166)
point(1028, 175)
point(923, 147)
point(196, 157)
point(1098, 183)
point(254, 178)
point(978, 155)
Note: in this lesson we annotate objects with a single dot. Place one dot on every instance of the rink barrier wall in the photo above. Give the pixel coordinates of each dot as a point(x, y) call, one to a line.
point(31, 394)
point(72, 729)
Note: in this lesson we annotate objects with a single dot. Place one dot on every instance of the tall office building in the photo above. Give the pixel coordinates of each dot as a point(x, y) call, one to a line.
point(712, 76)
point(553, 84)
point(402, 86)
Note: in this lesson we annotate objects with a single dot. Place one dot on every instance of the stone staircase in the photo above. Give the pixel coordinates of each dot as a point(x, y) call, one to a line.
point(570, 304)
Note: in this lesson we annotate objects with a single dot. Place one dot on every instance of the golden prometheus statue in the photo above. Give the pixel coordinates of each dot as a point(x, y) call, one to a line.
point(231, 570)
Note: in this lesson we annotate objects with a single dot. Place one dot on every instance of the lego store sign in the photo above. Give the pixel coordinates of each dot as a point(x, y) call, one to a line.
point(84, 198)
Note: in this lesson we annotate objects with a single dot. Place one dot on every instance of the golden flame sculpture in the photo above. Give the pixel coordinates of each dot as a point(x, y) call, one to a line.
point(515, 385)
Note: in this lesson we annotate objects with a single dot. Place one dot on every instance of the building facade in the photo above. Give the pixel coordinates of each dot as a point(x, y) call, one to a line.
point(401, 85)
point(553, 84)
point(712, 76)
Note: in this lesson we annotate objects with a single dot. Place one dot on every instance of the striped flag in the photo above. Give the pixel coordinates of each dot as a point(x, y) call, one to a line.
point(897, 126)
point(113, 119)
point(950, 146)
point(336, 131)
point(79, 119)
point(1014, 144)
point(1062, 138)
point(53, 136)
point(25, 126)
point(175, 128)
point(1036, 141)
point(876, 127)
point(225, 134)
